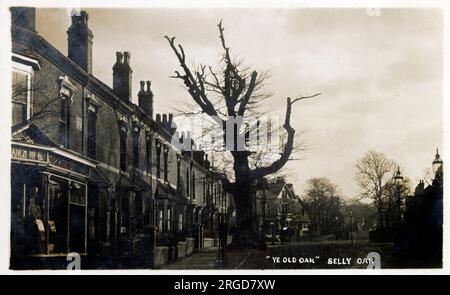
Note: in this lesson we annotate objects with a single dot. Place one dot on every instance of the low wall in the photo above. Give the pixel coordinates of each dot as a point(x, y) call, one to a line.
point(208, 242)
point(181, 249)
point(190, 246)
point(161, 256)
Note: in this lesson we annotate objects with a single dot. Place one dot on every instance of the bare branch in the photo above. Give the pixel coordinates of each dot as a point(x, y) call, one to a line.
point(305, 97)
point(288, 147)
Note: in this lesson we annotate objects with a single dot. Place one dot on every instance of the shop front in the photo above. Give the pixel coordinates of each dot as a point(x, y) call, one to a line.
point(49, 202)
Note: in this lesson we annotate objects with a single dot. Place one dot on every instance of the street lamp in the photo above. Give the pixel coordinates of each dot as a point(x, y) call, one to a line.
point(437, 163)
point(398, 179)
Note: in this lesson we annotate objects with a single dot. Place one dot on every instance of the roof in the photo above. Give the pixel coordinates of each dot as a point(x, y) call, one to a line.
point(275, 188)
point(30, 133)
point(126, 183)
point(96, 176)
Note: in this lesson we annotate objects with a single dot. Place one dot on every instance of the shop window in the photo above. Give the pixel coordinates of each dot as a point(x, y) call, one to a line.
point(91, 131)
point(77, 194)
point(66, 217)
point(77, 218)
point(28, 214)
point(57, 217)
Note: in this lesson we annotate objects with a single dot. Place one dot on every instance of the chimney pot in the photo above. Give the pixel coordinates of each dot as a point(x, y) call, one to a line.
point(164, 120)
point(126, 57)
point(158, 118)
point(122, 76)
point(119, 57)
point(145, 98)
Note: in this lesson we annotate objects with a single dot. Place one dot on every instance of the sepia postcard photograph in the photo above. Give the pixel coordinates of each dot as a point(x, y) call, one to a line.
point(267, 137)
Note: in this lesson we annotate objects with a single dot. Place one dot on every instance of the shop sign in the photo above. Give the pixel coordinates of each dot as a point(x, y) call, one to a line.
point(25, 153)
point(68, 164)
point(28, 154)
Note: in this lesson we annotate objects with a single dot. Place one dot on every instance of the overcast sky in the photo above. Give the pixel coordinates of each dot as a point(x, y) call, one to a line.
point(380, 76)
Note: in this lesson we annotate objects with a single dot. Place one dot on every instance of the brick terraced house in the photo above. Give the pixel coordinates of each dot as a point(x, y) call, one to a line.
point(94, 173)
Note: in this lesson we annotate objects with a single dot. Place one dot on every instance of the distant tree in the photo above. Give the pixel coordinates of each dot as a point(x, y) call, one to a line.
point(375, 175)
point(364, 214)
point(323, 204)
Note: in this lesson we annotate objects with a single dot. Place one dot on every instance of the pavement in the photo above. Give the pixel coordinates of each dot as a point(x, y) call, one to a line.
point(207, 259)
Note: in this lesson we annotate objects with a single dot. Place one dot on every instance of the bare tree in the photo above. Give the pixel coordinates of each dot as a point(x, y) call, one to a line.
point(323, 203)
point(227, 93)
point(375, 177)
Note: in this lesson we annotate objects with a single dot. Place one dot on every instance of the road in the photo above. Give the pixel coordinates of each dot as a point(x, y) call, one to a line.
point(206, 259)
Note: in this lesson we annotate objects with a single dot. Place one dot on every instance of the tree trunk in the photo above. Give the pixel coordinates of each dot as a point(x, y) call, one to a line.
point(380, 216)
point(246, 234)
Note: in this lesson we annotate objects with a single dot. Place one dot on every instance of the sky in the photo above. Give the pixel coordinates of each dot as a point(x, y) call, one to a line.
point(380, 74)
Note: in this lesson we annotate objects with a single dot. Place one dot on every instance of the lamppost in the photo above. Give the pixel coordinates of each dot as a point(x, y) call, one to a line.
point(437, 163)
point(398, 179)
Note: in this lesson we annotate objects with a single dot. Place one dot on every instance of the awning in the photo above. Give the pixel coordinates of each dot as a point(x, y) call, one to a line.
point(97, 177)
point(141, 183)
point(126, 183)
point(165, 191)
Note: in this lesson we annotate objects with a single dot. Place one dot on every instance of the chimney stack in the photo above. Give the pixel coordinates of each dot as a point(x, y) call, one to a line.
point(146, 98)
point(24, 17)
point(122, 74)
point(80, 41)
